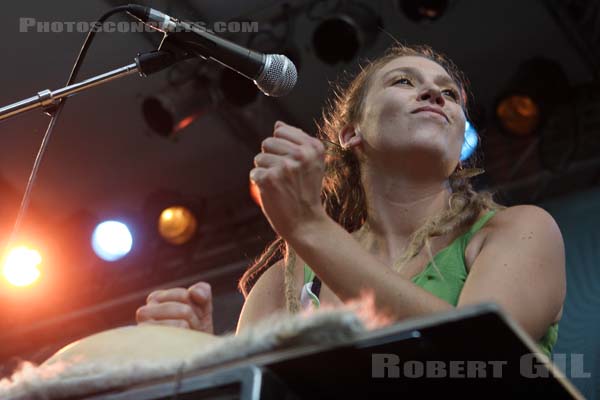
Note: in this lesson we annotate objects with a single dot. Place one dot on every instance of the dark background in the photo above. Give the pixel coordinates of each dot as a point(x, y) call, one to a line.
point(105, 162)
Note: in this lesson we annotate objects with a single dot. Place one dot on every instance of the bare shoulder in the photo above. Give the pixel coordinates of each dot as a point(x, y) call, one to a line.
point(526, 227)
point(521, 266)
point(267, 296)
point(523, 215)
point(511, 226)
point(271, 278)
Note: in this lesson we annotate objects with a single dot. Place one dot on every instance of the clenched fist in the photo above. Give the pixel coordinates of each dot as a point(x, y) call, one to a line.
point(289, 174)
point(185, 308)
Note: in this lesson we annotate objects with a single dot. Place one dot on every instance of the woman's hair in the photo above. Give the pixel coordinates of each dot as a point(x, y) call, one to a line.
point(342, 192)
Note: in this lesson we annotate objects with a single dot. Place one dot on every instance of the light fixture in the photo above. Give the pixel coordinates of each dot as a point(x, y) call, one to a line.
point(519, 114)
point(537, 87)
point(177, 225)
point(419, 10)
point(21, 266)
point(176, 107)
point(570, 135)
point(470, 142)
point(112, 240)
point(340, 36)
point(255, 193)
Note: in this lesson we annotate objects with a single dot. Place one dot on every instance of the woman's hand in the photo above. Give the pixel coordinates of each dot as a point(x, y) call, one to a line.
point(184, 308)
point(289, 173)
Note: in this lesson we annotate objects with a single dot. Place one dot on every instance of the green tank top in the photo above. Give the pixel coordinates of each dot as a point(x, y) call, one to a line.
point(447, 283)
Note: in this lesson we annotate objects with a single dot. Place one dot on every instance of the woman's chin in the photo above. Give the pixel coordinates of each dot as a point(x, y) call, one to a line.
point(419, 150)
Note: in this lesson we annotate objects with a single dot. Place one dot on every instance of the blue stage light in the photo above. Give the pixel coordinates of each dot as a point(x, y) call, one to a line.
point(111, 240)
point(470, 143)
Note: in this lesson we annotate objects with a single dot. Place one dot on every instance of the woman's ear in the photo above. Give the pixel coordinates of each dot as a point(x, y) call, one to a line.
point(350, 136)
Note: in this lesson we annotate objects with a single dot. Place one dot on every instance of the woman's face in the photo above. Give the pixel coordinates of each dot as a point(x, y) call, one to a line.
point(413, 113)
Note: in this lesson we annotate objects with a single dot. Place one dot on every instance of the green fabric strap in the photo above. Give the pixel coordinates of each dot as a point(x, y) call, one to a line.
point(309, 276)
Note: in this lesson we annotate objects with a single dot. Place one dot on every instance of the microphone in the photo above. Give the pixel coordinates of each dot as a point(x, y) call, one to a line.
point(274, 74)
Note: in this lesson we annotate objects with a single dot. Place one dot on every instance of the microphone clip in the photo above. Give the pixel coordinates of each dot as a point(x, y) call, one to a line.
point(167, 54)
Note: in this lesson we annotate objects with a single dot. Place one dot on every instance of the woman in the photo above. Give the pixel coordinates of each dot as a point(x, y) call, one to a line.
point(368, 205)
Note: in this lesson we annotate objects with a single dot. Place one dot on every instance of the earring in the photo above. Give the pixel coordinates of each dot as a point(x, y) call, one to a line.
point(464, 173)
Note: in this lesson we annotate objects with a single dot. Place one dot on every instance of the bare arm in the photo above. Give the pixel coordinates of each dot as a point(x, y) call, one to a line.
point(521, 266)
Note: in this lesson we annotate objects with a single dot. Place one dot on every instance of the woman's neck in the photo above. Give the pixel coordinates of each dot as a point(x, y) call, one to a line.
point(397, 206)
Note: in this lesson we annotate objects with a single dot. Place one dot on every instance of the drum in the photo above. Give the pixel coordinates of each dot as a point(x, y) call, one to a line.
point(134, 344)
point(119, 358)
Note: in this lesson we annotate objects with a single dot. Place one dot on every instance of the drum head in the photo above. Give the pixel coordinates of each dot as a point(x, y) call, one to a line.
point(143, 343)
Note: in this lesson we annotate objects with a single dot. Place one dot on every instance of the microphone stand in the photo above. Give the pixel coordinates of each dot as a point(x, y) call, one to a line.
point(50, 101)
point(145, 64)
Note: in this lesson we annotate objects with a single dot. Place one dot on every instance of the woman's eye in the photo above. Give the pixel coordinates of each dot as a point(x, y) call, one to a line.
point(452, 93)
point(403, 81)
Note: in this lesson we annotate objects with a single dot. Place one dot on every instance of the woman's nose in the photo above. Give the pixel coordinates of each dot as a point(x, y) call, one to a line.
point(433, 95)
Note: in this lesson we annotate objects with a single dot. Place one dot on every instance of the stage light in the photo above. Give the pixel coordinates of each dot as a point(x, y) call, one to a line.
point(519, 115)
point(338, 38)
point(470, 143)
point(537, 87)
point(112, 240)
point(175, 108)
point(418, 10)
point(255, 193)
point(177, 225)
point(21, 266)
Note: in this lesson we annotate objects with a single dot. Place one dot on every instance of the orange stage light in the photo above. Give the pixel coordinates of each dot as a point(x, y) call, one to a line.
point(520, 115)
point(255, 193)
point(177, 225)
point(21, 266)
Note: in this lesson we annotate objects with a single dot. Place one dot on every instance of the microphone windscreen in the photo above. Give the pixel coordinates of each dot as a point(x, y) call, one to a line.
point(278, 76)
